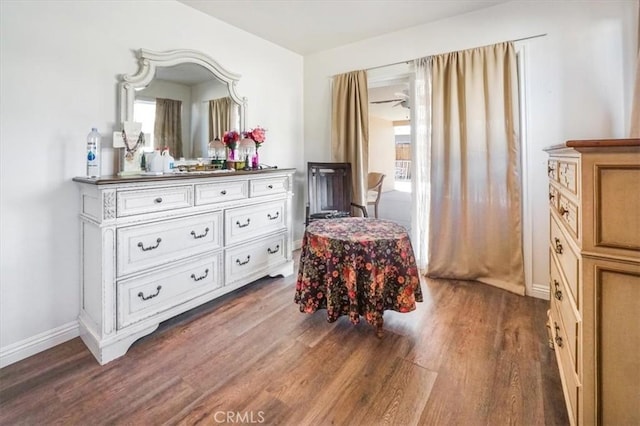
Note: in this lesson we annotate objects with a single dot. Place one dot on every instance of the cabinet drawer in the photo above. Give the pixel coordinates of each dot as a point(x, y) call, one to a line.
point(554, 196)
point(140, 201)
point(252, 258)
point(567, 175)
point(567, 259)
point(569, 214)
point(570, 324)
point(147, 296)
point(209, 193)
point(249, 222)
point(552, 170)
point(557, 283)
point(268, 186)
point(145, 246)
point(570, 382)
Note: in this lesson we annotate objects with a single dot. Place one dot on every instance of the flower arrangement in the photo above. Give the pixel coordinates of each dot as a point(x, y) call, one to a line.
point(231, 139)
point(257, 134)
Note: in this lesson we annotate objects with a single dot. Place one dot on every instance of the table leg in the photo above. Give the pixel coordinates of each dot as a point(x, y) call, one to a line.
point(379, 324)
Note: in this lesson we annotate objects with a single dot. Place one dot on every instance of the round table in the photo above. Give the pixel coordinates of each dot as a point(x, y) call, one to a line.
point(357, 267)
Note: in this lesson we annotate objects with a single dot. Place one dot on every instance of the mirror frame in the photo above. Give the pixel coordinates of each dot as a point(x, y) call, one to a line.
point(149, 60)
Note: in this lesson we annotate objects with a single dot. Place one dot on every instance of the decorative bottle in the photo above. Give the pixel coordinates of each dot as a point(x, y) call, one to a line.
point(93, 153)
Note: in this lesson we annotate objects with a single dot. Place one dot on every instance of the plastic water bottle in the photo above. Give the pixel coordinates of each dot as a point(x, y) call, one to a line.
point(167, 161)
point(93, 153)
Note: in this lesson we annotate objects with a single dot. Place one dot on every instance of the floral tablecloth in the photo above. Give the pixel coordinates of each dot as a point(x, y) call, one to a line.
point(357, 266)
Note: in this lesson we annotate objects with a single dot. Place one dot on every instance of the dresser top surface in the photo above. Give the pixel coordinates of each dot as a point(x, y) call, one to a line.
point(115, 179)
point(632, 143)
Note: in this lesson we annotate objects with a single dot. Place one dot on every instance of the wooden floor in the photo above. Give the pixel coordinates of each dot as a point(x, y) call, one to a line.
point(469, 355)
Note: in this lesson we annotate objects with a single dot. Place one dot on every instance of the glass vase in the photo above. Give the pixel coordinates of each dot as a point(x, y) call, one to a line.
point(255, 161)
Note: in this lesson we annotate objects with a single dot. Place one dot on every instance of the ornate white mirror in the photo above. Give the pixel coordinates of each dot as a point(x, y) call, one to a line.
point(184, 99)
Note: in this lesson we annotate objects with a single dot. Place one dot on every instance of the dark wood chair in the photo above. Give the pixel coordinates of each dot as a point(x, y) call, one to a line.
point(329, 191)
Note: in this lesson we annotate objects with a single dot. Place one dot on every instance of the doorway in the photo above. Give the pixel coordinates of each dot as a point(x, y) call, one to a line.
point(390, 139)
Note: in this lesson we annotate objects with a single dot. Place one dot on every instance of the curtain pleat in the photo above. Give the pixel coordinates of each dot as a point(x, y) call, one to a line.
point(350, 127)
point(475, 216)
point(421, 155)
point(219, 117)
point(168, 126)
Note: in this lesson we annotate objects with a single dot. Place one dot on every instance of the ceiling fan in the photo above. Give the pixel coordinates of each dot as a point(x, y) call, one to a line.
point(402, 100)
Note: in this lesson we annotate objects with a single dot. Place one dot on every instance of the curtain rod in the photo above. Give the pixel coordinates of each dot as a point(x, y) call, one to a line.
point(411, 60)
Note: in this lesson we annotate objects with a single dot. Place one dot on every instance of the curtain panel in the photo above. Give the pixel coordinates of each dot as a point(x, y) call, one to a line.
point(219, 117)
point(168, 126)
point(421, 154)
point(475, 216)
point(350, 127)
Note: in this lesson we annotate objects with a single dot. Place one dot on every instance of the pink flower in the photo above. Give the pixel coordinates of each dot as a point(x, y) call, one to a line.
point(231, 137)
point(258, 135)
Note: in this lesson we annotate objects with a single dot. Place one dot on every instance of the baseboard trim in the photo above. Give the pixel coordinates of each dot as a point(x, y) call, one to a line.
point(38, 343)
point(541, 291)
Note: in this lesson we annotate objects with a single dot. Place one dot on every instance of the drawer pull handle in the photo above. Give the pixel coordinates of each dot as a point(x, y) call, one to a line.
point(158, 200)
point(274, 251)
point(558, 292)
point(558, 246)
point(151, 296)
point(564, 211)
point(195, 236)
point(558, 339)
point(270, 186)
point(551, 196)
point(550, 170)
point(206, 273)
point(277, 215)
point(243, 225)
point(245, 262)
point(223, 192)
point(150, 247)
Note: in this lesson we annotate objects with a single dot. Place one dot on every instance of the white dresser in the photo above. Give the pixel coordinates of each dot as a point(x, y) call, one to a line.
point(154, 247)
point(594, 278)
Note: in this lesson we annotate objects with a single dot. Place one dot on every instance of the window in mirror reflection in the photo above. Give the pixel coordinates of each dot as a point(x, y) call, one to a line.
point(145, 112)
point(162, 119)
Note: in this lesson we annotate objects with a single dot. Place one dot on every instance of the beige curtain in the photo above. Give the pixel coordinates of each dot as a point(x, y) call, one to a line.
point(168, 126)
point(475, 217)
point(350, 127)
point(219, 117)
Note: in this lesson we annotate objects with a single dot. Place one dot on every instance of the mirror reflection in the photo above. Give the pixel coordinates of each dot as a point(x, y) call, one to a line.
point(183, 98)
point(185, 107)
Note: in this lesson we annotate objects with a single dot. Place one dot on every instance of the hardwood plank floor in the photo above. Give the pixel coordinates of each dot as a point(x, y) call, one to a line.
point(469, 355)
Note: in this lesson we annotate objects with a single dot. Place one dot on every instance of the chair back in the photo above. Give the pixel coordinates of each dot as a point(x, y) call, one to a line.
point(329, 187)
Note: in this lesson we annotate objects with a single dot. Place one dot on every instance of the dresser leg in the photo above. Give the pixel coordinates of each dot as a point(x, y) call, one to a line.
point(379, 324)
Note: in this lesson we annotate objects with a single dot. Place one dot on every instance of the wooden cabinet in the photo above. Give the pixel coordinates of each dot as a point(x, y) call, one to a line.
point(155, 247)
point(594, 278)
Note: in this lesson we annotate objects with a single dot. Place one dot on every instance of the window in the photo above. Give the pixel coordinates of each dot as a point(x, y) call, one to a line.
point(144, 112)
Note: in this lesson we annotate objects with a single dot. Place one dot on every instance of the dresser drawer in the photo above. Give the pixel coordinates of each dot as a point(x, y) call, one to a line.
point(552, 170)
point(147, 296)
point(146, 246)
point(251, 258)
point(209, 193)
point(151, 200)
point(557, 283)
point(269, 186)
point(554, 196)
point(567, 175)
point(250, 222)
point(567, 259)
point(570, 382)
point(568, 212)
point(567, 315)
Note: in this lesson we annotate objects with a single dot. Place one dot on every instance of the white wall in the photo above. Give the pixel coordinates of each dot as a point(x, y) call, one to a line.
point(60, 64)
point(579, 82)
point(382, 150)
